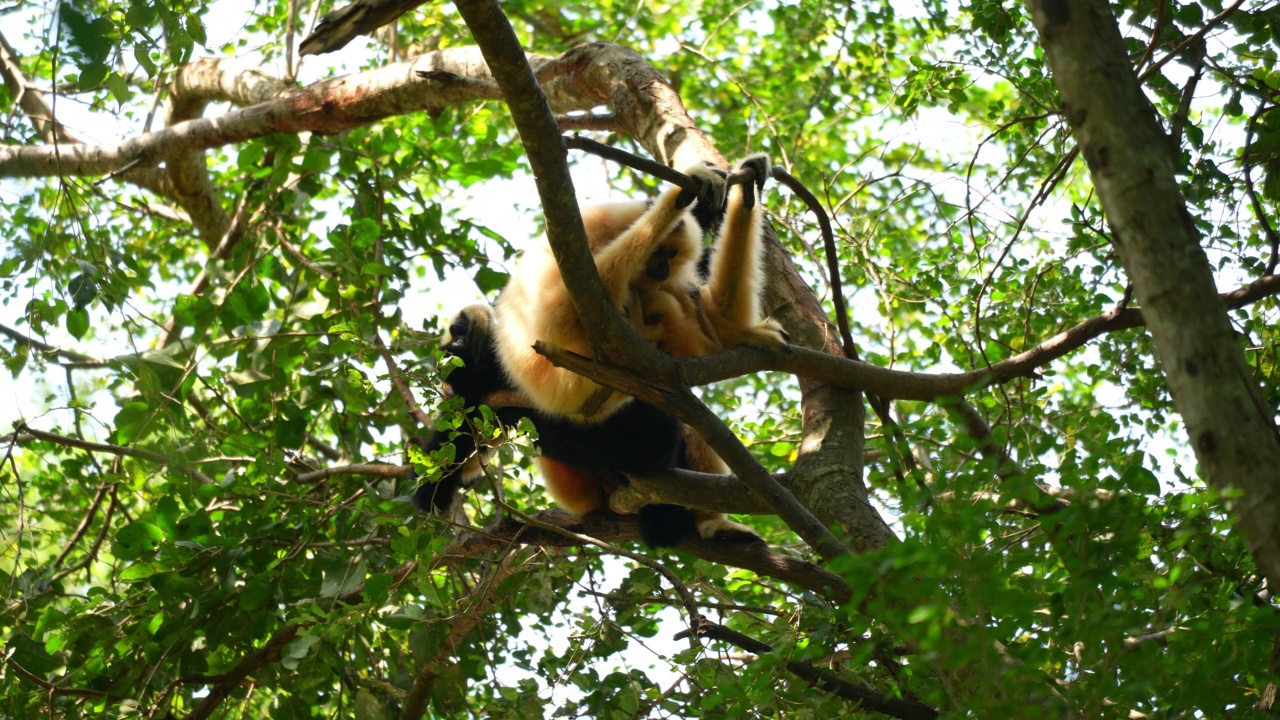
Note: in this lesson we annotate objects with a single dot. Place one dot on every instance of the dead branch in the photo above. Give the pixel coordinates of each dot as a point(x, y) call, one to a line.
point(341, 26)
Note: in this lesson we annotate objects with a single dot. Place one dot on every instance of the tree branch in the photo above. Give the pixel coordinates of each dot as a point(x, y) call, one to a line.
point(540, 135)
point(755, 557)
point(929, 387)
point(25, 433)
point(329, 106)
point(194, 87)
point(370, 469)
point(865, 696)
point(222, 686)
point(476, 605)
point(67, 355)
point(54, 133)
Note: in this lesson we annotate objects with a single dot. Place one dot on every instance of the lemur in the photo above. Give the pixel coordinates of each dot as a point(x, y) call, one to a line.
point(648, 260)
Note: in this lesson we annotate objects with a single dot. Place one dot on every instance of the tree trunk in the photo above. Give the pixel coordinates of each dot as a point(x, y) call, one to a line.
point(1230, 426)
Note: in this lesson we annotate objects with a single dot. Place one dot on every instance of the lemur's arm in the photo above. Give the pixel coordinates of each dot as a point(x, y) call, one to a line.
point(623, 261)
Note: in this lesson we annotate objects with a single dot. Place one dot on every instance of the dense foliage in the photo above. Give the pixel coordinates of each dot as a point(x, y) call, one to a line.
point(179, 385)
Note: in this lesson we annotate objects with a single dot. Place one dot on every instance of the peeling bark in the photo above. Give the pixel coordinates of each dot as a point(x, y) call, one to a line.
point(193, 88)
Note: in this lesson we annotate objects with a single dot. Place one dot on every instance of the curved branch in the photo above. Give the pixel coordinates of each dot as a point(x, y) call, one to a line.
point(222, 686)
point(1247, 161)
point(194, 87)
point(71, 358)
point(755, 557)
point(865, 696)
point(40, 113)
point(928, 387)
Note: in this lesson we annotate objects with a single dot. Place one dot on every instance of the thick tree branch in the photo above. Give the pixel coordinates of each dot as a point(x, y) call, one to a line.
point(194, 87)
point(755, 557)
point(54, 133)
point(1230, 426)
point(329, 106)
point(695, 490)
point(540, 135)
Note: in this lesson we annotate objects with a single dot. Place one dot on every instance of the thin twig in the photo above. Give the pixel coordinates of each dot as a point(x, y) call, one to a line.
point(1198, 36)
point(1258, 210)
point(26, 432)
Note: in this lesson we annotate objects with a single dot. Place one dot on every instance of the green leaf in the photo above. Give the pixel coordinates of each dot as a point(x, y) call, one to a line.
point(140, 537)
point(377, 588)
point(77, 323)
point(130, 422)
point(297, 650)
point(138, 571)
point(92, 74)
point(490, 280)
point(83, 289)
point(1140, 480)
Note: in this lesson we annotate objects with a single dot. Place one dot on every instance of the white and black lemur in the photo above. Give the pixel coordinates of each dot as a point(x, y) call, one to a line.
point(648, 259)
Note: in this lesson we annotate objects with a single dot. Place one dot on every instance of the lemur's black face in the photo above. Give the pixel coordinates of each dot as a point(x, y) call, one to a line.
point(469, 339)
point(458, 338)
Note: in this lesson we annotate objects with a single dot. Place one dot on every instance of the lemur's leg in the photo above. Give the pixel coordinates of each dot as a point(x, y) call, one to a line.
point(699, 456)
point(731, 296)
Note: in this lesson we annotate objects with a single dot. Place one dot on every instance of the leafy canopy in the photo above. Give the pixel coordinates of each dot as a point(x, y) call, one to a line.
point(211, 546)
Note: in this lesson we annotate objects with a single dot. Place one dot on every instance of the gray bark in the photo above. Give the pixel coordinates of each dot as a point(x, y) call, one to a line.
point(1230, 427)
